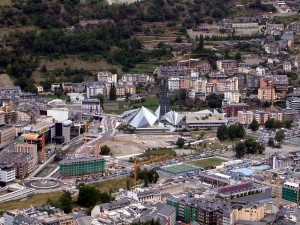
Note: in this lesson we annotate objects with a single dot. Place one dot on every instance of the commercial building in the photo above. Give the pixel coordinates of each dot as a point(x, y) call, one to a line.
point(293, 103)
point(232, 109)
point(23, 162)
point(205, 119)
point(81, 166)
point(7, 173)
point(215, 180)
point(290, 192)
point(62, 131)
point(91, 105)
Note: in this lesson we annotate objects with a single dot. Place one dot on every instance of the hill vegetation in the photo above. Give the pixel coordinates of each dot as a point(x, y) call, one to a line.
point(55, 29)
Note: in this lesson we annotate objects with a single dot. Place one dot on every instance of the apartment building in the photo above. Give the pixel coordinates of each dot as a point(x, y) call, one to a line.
point(261, 117)
point(23, 162)
point(107, 77)
point(7, 135)
point(223, 65)
point(173, 83)
point(232, 109)
point(245, 117)
point(27, 148)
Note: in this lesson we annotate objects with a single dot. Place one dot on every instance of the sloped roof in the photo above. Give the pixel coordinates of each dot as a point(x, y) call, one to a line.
point(173, 117)
point(141, 117)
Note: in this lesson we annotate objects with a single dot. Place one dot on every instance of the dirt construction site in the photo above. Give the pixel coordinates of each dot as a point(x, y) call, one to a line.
point(126, 144)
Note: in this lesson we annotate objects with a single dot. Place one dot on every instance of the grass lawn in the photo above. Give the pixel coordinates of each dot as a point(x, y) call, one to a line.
point(251, 137)
point(113, 185)
point(207, 162)
point(34, 200)
point(5, 2)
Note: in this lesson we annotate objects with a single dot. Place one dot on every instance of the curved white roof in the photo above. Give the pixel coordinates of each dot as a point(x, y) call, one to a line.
point(173, 117)
point(141, 117)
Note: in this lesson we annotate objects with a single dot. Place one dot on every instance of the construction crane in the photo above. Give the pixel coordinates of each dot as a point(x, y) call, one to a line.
point(86, 129)
point(136, 166)
point(97, 149)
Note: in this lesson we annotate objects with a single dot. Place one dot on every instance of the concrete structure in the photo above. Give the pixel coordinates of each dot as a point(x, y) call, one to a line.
point(59, 114)
point(81, 166)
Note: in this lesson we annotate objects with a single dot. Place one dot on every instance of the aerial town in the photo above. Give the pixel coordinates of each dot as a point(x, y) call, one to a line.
point(163, 112)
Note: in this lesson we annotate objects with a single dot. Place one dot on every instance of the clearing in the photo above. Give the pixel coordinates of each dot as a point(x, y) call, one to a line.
point(6, 80)
point(128, 144)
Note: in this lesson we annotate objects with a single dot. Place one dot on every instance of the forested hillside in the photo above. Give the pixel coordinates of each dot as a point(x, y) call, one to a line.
point(52, 29)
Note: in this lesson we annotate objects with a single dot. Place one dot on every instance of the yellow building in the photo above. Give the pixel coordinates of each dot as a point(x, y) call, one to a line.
point(252, 213)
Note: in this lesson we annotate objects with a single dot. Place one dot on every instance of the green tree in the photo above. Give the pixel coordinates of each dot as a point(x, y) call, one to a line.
point(222, 133)
point(89, 196)
point(180, 142)
point(101, 98)
point(270, 123)
point(288, 124)
point(240, 131)
point(232, 132)
point(254, 125)
point(240, 150)
point(279, 136)
point(112, 92)
point(238, 56)
point(44, 69)
point(66, 202)
point(104, 150)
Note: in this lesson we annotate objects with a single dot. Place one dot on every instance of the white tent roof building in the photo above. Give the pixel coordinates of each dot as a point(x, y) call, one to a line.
point(141, 117)
point(173, 117)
